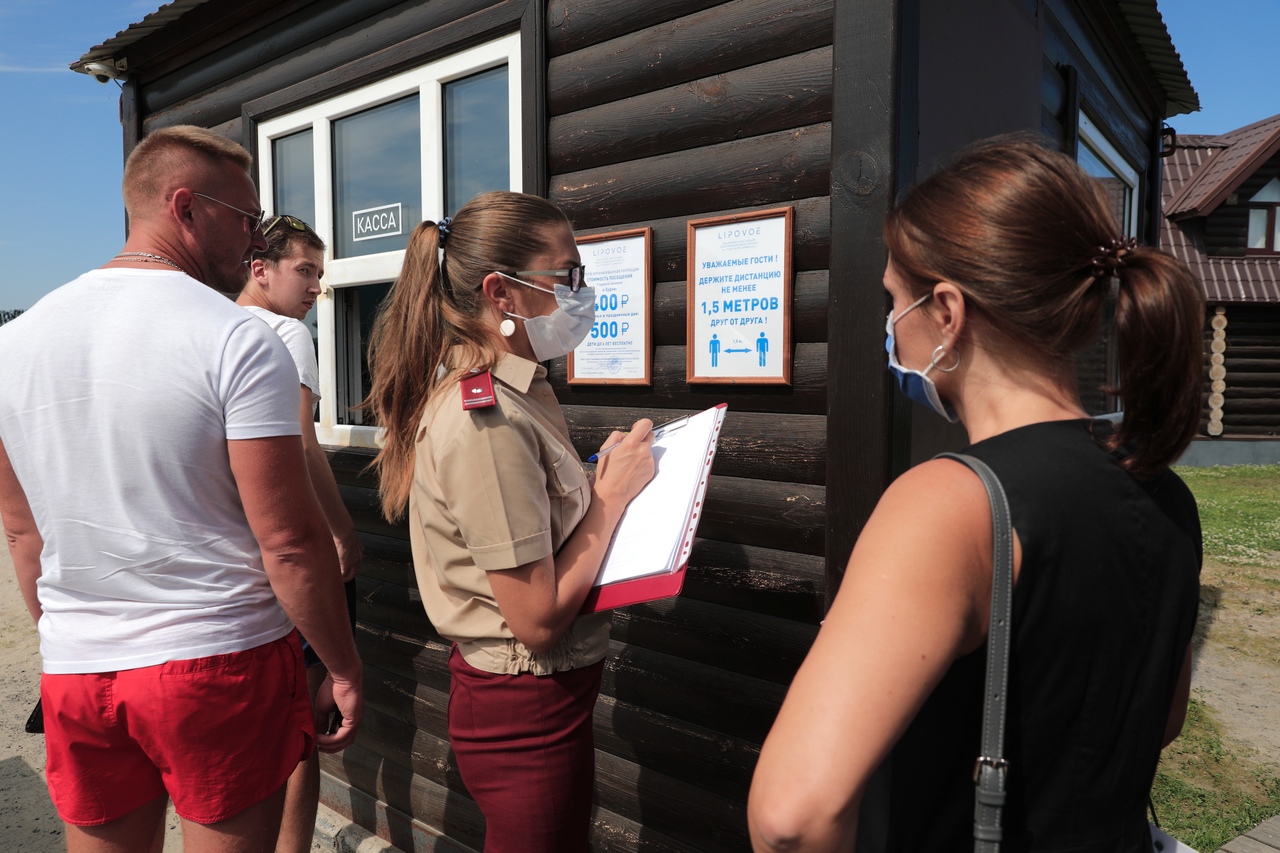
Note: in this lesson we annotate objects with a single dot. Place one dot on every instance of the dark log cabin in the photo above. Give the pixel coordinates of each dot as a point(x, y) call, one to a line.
point(1221, 197)
point(630, 114)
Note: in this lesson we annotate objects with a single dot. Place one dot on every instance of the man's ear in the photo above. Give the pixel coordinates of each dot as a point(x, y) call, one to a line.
point(258, 267)
point(180, 206)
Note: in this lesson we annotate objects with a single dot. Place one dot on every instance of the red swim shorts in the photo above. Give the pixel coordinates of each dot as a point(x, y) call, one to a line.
point(217, 734)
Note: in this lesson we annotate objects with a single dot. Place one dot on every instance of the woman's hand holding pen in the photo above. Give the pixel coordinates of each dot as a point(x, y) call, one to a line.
point(628, 467)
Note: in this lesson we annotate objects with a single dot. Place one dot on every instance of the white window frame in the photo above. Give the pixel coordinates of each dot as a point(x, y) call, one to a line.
point(427, 82)
point(1092, 138)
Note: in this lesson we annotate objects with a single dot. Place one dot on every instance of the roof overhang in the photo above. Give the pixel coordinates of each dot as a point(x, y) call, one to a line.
point(1144, 22)
point(112, 54)
point(1140, 17)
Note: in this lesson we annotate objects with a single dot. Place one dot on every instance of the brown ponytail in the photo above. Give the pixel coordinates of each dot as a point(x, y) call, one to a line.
point(1031, 240)
point(432, 312)
point(1159, 319)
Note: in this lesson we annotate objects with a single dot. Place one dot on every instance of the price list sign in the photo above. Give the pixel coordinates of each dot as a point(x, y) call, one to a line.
point(739, 308)
point(617, 350)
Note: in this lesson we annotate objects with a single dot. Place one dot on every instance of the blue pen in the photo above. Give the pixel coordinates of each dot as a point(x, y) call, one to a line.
point(676, 424)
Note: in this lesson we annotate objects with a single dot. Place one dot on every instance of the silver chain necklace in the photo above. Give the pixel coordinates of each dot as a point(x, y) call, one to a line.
point(148, 256)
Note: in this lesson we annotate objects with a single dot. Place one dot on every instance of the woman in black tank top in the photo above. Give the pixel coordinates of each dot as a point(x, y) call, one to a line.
point(999, 269)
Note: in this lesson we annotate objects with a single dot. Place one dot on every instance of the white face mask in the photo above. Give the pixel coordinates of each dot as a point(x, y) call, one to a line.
point(559, 333)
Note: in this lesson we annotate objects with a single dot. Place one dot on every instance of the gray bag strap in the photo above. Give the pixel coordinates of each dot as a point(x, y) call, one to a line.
point(991, 768)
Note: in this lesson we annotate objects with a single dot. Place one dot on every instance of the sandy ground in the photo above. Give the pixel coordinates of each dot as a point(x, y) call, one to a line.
point(1237, 666)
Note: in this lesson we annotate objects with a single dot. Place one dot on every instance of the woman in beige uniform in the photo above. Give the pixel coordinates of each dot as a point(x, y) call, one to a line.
point(507, 528)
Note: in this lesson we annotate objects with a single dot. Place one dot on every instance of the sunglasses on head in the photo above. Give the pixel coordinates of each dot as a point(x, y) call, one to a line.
point(577, 276)
point(292, 221)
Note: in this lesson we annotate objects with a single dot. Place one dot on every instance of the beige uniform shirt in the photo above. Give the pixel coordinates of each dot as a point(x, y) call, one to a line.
point(493, 489)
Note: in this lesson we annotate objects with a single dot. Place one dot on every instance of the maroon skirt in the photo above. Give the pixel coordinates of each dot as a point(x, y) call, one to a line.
point(526, 752)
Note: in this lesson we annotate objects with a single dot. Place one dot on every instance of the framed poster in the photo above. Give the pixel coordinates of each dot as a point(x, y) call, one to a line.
point(739, 304)
point(617, 351)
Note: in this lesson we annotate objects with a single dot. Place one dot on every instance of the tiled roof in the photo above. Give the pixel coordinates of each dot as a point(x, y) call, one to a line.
point(1251, 278)
point(1226, 167)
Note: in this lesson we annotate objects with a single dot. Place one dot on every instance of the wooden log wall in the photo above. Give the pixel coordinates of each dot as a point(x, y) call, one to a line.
point(1242, 398)
point(655, 120)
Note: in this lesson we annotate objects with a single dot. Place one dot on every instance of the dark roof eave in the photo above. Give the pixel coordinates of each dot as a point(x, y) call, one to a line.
point(115, 49)
point(1141, 17)
point(1145, 23)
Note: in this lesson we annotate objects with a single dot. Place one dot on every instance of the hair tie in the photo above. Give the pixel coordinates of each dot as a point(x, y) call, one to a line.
point(443, 227)
point(1111, 258)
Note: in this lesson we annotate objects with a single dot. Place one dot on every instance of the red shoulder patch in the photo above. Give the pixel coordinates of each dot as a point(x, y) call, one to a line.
point(477, 390)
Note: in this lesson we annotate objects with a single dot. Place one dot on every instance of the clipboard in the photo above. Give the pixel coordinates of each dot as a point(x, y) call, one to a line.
point(649, 552)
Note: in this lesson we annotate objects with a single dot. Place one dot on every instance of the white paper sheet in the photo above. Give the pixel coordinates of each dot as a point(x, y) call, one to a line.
point(652, 530)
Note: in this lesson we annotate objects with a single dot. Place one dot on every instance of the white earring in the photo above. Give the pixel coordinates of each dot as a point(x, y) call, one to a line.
point(507, 327)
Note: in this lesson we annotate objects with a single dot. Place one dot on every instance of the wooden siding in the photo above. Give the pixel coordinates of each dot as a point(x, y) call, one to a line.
point(725, 109)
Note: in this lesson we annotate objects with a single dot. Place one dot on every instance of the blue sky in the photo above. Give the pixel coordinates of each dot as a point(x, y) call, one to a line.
point(61, 138)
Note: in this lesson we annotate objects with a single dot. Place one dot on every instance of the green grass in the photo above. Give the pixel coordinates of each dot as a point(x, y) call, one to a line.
point(1204, 793)
point(1239, 512)
point(1207, 791)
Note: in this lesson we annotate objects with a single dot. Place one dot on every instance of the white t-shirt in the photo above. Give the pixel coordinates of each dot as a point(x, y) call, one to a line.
point(120, 391)
point(298, 339)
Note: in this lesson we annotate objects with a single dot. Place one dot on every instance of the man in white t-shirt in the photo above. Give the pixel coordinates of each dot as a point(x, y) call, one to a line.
point(282, 286)
point(156, 500)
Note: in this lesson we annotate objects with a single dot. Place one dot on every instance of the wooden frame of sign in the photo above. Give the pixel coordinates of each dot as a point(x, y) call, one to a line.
point(619, 349)
point(739, 283)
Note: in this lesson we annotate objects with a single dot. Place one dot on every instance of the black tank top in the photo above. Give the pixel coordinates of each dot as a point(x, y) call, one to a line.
point(1103, 611)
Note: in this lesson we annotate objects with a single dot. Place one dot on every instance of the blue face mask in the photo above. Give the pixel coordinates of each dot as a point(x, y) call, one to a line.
point(917, 384)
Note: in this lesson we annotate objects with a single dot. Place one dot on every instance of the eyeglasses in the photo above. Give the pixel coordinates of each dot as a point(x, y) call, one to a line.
point(292, 221)
point(255, 219)
point(577, 276)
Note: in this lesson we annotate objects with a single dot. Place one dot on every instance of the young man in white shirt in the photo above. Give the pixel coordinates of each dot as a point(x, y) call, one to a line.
point(283, 284)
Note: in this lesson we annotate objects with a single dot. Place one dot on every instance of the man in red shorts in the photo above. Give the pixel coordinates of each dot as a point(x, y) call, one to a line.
point(156, 501)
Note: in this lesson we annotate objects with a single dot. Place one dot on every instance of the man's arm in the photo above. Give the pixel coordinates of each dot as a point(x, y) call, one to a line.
point(345, 539)
point(20, 530)
point(298, 554)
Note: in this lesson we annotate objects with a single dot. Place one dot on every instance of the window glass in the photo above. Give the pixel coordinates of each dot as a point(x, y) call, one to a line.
point(1097, 366)
point(356, 309)
point(475, 125)
point(1257, 229)
point(1117, 188)
point(377, 178)
point(293, 164)
point(1268, 194)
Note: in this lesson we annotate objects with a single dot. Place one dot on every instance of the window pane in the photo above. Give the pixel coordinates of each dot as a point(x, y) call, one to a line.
point(377, 178)
point(293, 167)
point(1275, 230)
point(1257, 229)
point(356, 309)
point(293, 164)
point(476, 155)
point(1117, 189)
point(1269, 193)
